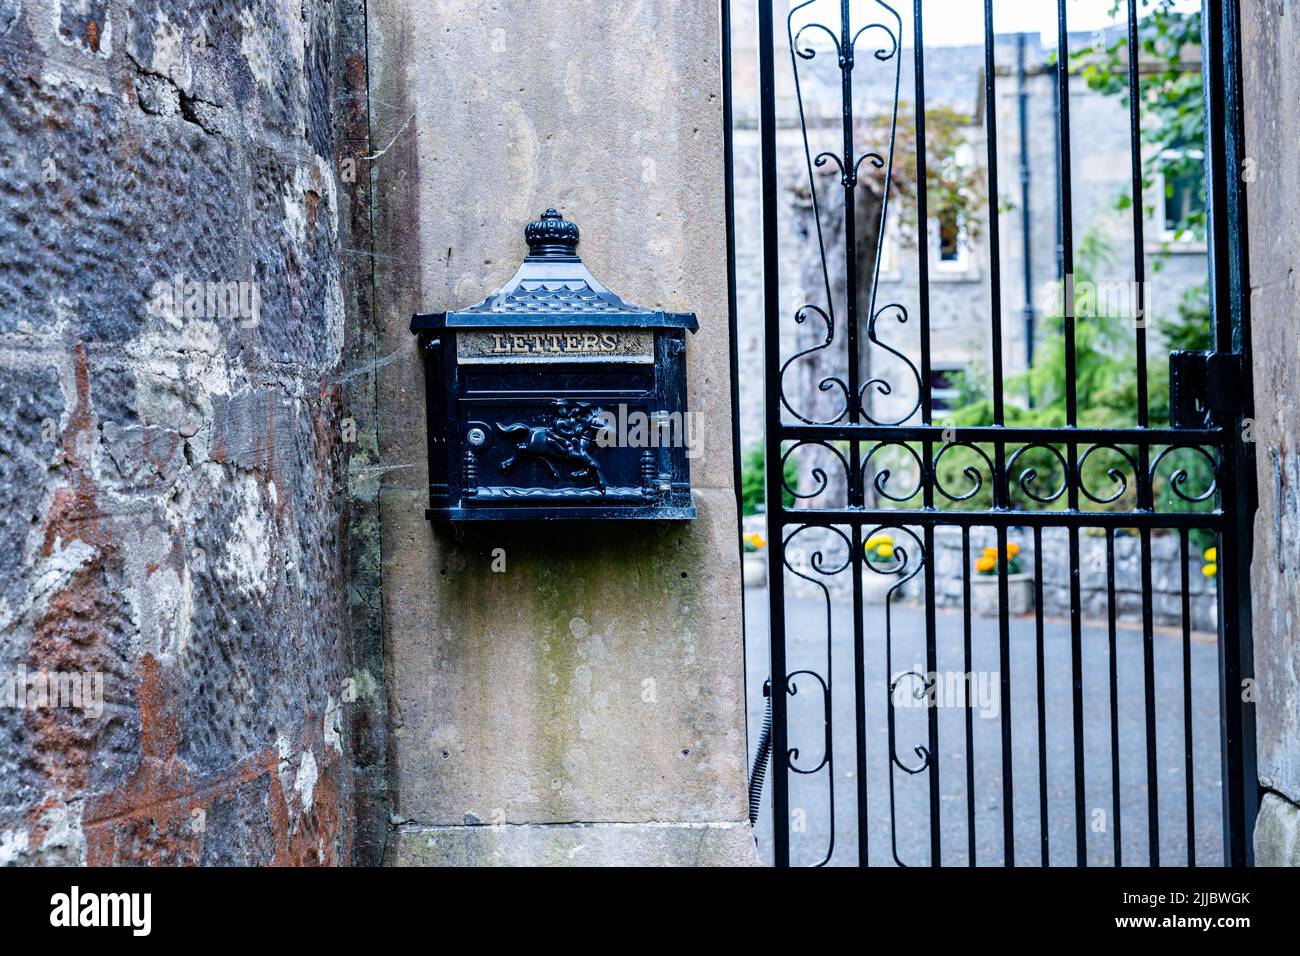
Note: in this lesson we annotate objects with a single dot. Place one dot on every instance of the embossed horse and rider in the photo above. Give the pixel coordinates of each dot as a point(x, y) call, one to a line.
point(565, 443)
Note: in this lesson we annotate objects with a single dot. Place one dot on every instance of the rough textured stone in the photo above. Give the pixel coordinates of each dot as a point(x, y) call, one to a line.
point(195, 499)
point(176, 483)
point(522, 697)
point(1269, 80)
point(1277, 832)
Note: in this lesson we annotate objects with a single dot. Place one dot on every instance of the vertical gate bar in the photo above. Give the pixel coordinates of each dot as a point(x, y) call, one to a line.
point(1143, 450)
point(856, 481)
point(772, 443)
point(1045, 856)
point(927, 417)
point(1145, 491)
point(1067, 213)
point(1149, 698)
point(855, 402)
point(922, 245)
point(995, 243)
point(1076, 689)
point(1139, 210)
point(932, 712)
point(1071, 416)
point(859, 694)
point(1004, 664)
point(970, 713)
point(1230, 304)
point(1187, 695)
point(999, 483)
point(1114, 694)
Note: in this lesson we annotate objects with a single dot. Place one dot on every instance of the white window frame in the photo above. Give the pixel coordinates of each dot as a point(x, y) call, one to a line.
point(965, 268)
point(948, 396)
point(1165, 238)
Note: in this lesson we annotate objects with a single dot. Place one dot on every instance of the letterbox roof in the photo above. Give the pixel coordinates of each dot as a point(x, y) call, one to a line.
point(553, 288)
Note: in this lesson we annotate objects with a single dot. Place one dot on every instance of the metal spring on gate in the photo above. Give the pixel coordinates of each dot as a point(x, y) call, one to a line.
point(759, 770)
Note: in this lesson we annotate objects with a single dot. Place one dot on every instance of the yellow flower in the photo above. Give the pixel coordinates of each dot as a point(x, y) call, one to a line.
point(991, 553)
point(885, 550)
point(879, 539)
point(986, 563)
point(1210, 570)
point(1013, 549)
point(755, 540)
point(1212, 555)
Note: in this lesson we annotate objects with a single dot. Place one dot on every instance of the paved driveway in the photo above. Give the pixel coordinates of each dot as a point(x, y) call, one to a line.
point(908, 829)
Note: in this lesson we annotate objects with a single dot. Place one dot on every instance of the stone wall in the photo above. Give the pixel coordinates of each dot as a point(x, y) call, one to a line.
point(585, 703)
point(176, 477)
point(1094, 597)
point(1272, 36)
point(1166, 574)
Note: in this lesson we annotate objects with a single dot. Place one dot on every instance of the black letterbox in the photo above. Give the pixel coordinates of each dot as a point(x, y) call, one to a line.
point(554, 398)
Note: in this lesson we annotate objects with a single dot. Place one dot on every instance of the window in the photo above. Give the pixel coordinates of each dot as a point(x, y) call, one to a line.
point(950, 247)
point(950, 240)
point(951, 243)
point(1181, 195)
point(944, 391)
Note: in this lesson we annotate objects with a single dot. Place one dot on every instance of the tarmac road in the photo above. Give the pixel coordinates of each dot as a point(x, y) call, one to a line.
point(906, 830)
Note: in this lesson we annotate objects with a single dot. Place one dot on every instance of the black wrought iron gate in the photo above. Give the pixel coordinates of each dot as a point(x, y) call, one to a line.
point(1091, 736)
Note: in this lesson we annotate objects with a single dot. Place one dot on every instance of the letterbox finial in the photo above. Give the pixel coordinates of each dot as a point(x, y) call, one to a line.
point(551, 236)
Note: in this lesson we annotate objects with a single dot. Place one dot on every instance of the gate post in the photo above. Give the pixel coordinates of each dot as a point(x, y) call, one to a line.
point(1269, 169)
point(565, 692)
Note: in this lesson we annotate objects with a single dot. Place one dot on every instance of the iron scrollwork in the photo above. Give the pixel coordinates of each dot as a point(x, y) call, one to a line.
point(818, 473)
point(848, 165)
point(1181, 476)
point(818, 565)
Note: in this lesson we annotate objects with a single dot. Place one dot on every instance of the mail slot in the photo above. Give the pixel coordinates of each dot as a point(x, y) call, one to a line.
point(554, 398)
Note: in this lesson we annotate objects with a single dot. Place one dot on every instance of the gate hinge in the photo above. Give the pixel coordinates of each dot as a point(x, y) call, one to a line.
point(1202, 384)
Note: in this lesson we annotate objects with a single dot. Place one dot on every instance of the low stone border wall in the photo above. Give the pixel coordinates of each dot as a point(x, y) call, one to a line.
point(1166, 575)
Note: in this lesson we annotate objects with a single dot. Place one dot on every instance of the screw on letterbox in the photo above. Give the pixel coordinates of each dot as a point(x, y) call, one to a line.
point(470, 472)
point(648, 471)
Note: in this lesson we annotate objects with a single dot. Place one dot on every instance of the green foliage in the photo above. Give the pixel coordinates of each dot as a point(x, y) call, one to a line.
point(1191, 330)
point(952, 187)
point(1106, 380)
point(1169, 97)
point(753, 491)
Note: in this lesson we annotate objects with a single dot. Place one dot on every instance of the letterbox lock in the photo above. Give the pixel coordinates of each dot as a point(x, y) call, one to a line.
point(554, 398)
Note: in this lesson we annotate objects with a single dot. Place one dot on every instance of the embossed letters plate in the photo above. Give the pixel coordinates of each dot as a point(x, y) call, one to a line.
point(555, 345)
